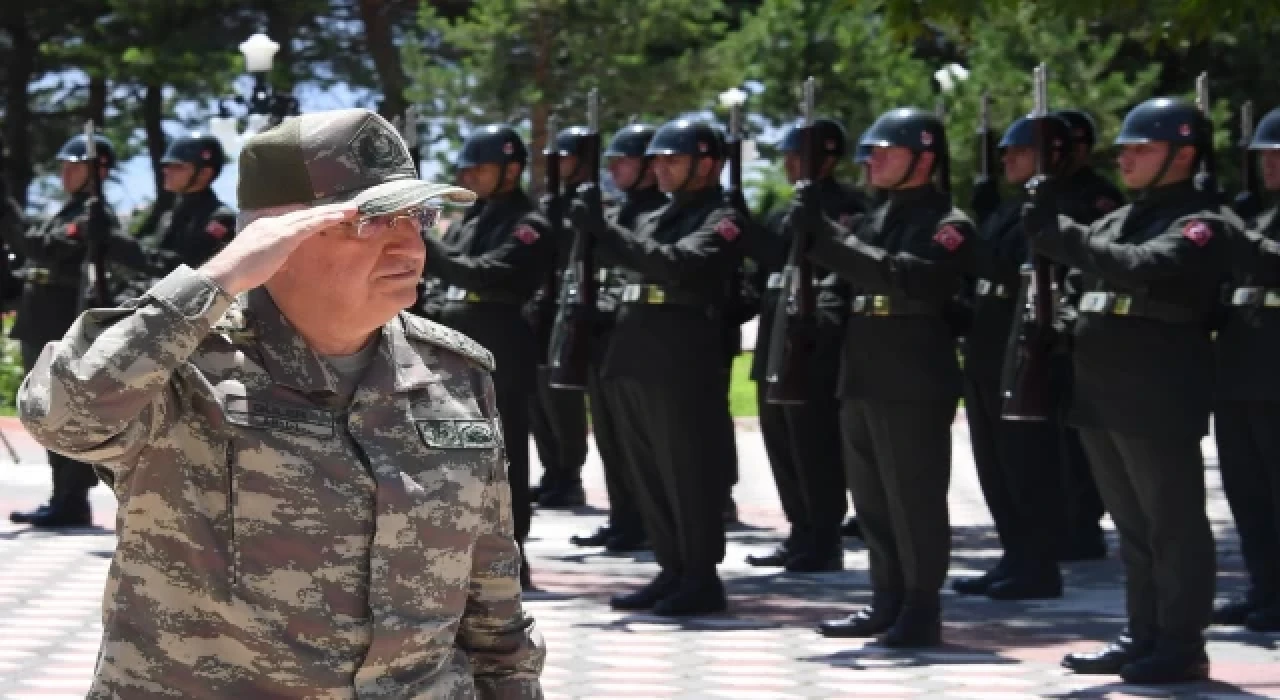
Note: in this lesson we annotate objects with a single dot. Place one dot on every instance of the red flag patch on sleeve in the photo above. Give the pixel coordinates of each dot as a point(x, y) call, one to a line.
point(216, 229)
point(1197, 232)
point(527, 234)
point(845, 218)
point(72, 230)
point(949, 237)
point(1105, 204)
point(728, 230)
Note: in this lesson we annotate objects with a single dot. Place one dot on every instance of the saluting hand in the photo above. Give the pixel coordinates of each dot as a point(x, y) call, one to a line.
point(253, 256)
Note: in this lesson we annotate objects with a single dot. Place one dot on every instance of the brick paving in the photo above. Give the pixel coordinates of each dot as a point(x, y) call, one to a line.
point(765, 647)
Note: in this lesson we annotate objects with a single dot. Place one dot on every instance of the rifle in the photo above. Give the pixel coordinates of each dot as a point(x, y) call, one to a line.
point(791, 340)
point(986, 139)
point(1246, 204)
point(1024, 386)
point(410, 134)
point(570, 352)
point(94, 269)
point(1207, 178)
point(545, 304)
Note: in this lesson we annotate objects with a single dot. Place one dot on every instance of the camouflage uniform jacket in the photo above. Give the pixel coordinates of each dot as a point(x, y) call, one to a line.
point(270, 546)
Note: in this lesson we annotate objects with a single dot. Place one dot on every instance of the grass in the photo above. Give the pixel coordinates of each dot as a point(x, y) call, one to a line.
point(742, 391)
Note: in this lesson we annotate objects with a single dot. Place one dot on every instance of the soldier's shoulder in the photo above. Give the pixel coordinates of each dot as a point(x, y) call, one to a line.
point(432, 333)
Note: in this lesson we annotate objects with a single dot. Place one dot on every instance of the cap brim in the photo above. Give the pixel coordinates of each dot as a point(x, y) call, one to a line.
point(397, 195)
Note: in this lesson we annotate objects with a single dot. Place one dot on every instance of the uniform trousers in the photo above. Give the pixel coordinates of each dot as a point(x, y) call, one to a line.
point(1248, 435)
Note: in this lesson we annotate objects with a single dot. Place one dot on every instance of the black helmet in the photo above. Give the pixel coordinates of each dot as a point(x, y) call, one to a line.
point(75, 150)
point(862, 151)
point(1266, 136)
point(631, 141)
point(1168, 119)
point(495, 143)
point(199, 149)
point(1022, 132)
point(1083, 128)
point(829, 132)
point(686, 137)
point(908, 127)
point(572, 141)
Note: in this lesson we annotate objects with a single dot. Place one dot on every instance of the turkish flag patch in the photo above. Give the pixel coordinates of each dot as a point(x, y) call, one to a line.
point(216, 229)
point(1104, 204)
point(73, 230)
point(949, 237)
point(728, 230)
point(1197, 232)
point(845, 218)
point(526, 234)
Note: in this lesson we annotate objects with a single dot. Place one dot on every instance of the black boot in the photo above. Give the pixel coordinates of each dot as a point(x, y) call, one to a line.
point(562, 496)
point(918, 626)
point(1264, 619)
point(647, 596)
point(826, 554)
point(1237, 610)
point(978, 585)
point(697, 595)
point(599, 538)
point(71, 509)
point(25, 516)
point(1175, 662)
point(1087, 545)
point(1044, 583)
point(778, 557)
point(1109, 659)
point(868, 621)
point(626, 541)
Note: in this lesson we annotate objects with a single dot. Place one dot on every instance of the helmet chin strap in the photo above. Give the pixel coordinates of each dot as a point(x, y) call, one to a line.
point(906, 174)
point(644, 170)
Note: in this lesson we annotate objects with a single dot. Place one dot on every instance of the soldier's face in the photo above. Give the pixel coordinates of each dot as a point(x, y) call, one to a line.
point(178, 177)
point(1019, 164)
point(568, 166)
point(794, 165)
point(888, 166)
point(626, 171)
point(672, 171)
point(1269, 162)
point(481, 179)
point(74, 176)
point(358, 280)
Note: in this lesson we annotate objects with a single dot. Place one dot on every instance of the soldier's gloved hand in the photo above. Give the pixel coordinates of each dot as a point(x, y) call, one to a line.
point(986, 196)
point(587, 211)
point(1040, 213)
point(805, 213)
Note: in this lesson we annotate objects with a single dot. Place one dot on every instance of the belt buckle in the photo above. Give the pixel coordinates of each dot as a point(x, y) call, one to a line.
point(859, 304)
point(775, 281)
point(1271, 298)
point(984, 288)
point(1246, 296)
point(455, 294)
point(40, 275)
point(631, 293)
point(472, 297)
point(1093, 302)
point(655, 294)
point(1123, 304)
point(880, 305)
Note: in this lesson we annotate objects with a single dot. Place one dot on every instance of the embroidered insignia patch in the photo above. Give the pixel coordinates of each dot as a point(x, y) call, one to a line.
point(949, 237)
point(73, 230)
point(728, 230)
point(526, 234)
point(1197, 232)
point(926, 138)
point(216, 229)
point(458, 434)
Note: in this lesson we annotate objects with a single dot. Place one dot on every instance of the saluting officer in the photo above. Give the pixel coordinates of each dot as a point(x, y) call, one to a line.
point(803, 441)
point(899, 377)
point(632, 172)
point(558, 417)
point(1143, 375)
point(490, 263)
point(51, 299)
point(190, 232)
point(1247, 412)
point(665, 361)
point(1086, 196)
point(1017, 461)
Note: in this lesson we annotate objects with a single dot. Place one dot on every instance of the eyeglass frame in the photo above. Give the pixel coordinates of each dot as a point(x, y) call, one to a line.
point(427, 216)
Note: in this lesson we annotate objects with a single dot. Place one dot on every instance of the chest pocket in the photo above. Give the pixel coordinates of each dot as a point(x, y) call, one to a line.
point(461, 444)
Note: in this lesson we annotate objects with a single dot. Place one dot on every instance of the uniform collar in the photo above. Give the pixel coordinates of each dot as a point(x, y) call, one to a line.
point(410, 370)
point(1178, 191)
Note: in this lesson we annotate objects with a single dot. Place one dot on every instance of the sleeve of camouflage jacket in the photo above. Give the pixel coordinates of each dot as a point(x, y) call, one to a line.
point(1170, 254)
point(505, 647)
point(108, 386)
point(705, 252)
point(934, 273)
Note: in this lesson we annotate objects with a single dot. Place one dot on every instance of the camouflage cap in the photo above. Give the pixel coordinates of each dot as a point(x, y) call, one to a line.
point(341, 155)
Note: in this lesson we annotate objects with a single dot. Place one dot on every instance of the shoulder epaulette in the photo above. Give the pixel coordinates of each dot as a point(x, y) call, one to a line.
point(426, 331)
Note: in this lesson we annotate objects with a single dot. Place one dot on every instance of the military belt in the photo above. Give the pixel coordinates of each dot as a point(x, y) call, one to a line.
point(882, 305)
point(1116, 304)
point(458, 294)
point(657, 294)
point(46, 277)
point(987, 288)
point(775, 282)
point(1261, 297)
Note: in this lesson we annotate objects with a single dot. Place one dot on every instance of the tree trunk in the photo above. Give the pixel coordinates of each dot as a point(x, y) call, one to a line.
point(96, 108)
point(281, 20)
point(543, 43)
point(17, 123)
point(152, 122)
point(376, 15)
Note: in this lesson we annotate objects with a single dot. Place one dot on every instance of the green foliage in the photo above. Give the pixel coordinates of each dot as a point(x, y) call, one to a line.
point(11, 373)
point(742, 390)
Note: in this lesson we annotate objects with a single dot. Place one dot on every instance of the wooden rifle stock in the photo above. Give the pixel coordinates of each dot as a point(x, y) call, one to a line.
point(1025, 388)
point(570, 353)
point(95, 265)
point(791, 339)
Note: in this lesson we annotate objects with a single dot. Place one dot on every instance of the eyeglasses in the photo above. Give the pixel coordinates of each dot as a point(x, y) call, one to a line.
point(424, 217)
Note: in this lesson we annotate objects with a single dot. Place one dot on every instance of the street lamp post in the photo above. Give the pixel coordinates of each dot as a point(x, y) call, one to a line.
point(266, 107)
